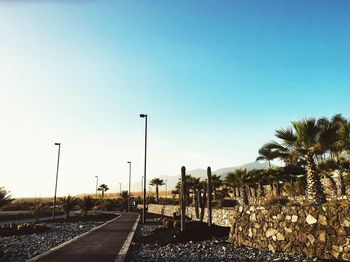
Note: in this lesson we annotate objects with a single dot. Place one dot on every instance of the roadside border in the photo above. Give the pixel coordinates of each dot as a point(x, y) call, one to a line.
point(71, 240)
point(125, 248)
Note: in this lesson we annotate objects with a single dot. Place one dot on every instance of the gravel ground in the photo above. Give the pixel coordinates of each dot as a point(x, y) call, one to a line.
point(209, 250)
point(20, 248)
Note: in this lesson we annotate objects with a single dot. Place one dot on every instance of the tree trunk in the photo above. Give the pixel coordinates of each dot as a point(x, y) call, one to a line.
point(244, 194)
point(261, 191)
point(234, 192)
point(339, 181)
point(314, 187)
point(157, 194)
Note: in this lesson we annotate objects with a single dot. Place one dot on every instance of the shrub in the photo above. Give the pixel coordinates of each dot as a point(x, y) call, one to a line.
point(169, 224)
point(86, 204)
point(37, 211)
point(177, 224)
point(5, 197)
point(164, 221)
point(68, 204)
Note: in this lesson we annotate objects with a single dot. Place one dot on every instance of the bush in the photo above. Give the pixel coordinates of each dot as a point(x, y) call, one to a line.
point(169, 224)
point(177, 224)
point(5, 197)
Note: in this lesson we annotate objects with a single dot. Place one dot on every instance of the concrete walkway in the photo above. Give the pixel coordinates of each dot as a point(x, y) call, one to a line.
point(102, 244)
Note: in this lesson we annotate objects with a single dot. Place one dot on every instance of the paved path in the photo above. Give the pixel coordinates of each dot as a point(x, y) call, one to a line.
point(103, 244)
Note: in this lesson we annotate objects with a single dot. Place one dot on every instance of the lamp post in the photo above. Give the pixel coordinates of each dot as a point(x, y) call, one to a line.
point(58, 163)
point(141, 187)
point(144, 177)
point(120, 188)
point(96, 185)
point(129, 185)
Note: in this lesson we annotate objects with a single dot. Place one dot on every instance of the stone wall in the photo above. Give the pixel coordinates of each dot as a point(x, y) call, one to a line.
point(317, 231)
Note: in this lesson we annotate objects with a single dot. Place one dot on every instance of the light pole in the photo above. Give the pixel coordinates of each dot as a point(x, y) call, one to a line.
point(120, 188)
point(58, 163)
point(144, 177)
point(96, 185)
point(129, 185)
point(141, 187)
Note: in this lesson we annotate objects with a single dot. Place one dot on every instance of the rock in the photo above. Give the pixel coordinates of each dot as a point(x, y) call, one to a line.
point(323, 220)
point(311, 220)
point(322, 236)
point(294, 218)
point(335, 252)
point(240, 209)
point(288, 217)
point(252, 217)
point(346, 223)
point(250, 233)
point(271, 247)
point(288, 230)
point(311, 238)
point(271, 232)
point(341, 231)
point(279, 237)
point(346, 256)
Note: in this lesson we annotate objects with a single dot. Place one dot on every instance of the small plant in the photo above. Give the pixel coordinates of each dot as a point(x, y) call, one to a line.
point(177, 224)
point(164, 221)
point(86, 204)
point(169, 224)
point(5, 198)
point(37, 211)
point(68, 204)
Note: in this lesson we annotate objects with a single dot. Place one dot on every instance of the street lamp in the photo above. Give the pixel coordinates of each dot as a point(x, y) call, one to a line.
point(96, 185)
point(129, 185)
point(141, 188)
point(58, 163)
point(144, 177)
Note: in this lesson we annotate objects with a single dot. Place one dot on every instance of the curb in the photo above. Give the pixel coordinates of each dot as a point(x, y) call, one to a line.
point(71, 240)
point(125, 248)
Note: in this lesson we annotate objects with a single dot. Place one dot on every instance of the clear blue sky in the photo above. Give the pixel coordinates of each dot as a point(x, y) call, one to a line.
point(216, 78)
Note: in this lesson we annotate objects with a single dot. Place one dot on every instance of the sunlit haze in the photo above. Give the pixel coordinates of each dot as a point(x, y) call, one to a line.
point(216, 78)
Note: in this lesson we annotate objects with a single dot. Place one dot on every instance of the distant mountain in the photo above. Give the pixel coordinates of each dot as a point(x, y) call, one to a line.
point(202, 173)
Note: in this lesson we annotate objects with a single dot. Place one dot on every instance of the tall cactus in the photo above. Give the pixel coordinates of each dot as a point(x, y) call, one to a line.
point(183, 197)
point(210, 196)
point(203, 201)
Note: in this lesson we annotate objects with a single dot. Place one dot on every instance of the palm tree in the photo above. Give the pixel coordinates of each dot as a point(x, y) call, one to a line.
point(239, 179)
point(267, 154)
point(124, 195)
point(5, 197)
point(68, 204)
point(103, 188)
point(232, 181)
point(86, 204)
point(216, 183)
point(157, 182)
point(337, 167)
point(310, 140)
